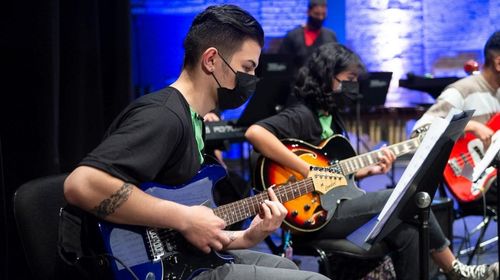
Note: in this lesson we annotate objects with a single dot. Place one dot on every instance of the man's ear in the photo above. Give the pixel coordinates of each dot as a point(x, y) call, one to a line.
point(208, 60)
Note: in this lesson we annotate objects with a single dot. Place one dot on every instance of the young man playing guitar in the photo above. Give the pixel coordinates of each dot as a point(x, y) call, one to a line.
point(480, 93)
point(321, 88)
point(159, 138)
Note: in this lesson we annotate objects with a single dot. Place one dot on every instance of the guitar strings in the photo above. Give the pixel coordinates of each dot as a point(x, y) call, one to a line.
point(468, 158)
point(238, 208)
point(349, 166)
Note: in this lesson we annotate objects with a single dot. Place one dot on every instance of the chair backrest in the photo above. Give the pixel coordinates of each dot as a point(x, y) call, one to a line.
point(36, 210)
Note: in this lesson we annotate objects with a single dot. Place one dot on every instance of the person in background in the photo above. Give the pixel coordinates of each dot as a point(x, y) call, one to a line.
point(320, 89)
point(301, 41)
point(158, 137)
point(476, 92)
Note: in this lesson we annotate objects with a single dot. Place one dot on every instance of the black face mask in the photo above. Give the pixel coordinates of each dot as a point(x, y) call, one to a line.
point(314, 23)
point(234, 98)
point(344, 96)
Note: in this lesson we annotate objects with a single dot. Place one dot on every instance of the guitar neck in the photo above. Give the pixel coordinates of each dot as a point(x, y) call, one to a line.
point(248, 207)
point(352, 165)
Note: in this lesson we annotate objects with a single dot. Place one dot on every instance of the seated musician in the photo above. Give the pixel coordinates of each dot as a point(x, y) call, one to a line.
point(159, 138)
point(319, 89)
point(480, 93)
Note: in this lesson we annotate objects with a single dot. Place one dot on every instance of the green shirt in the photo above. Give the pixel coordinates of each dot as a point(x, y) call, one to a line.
point(326, 124)
point(198, 133)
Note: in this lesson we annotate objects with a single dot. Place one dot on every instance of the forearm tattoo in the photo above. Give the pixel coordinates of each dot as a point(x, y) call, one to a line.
point(231, 235)
point(109, 205)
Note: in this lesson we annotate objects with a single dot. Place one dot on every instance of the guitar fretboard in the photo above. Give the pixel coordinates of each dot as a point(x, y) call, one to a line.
point(351, 165)
point(248, 207)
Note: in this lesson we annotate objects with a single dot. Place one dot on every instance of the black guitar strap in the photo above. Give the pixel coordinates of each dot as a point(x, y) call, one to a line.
point(79, 247)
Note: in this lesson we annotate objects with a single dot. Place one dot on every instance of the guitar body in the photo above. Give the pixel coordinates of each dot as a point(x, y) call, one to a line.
point(311, 211)
point(156, 254)
point(467, 151)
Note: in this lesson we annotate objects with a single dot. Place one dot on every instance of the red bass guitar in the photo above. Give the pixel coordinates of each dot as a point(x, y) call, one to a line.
point(467, 152)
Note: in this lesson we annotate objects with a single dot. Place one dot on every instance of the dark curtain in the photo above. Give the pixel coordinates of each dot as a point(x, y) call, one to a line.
point(67, 74)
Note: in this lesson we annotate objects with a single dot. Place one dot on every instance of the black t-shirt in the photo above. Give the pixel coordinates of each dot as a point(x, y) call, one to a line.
point(151, 140)
point(300, 122)
point(294, 43)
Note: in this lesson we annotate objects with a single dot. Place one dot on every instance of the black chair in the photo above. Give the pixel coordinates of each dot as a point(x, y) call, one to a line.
point(340, 258)
point(36, 209)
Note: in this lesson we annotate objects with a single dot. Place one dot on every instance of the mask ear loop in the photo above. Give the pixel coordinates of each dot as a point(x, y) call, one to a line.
point(213, 75)
point(216, 79)
point(226, 62)
point(340, 84)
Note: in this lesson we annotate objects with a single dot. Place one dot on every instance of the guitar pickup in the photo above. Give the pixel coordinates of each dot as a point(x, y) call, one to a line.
point(457, 170)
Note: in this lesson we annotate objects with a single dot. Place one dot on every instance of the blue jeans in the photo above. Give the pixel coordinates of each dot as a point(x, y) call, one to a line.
point(403, 240)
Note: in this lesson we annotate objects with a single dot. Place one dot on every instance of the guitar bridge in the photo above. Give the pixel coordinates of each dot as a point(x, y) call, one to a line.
point(156, 248)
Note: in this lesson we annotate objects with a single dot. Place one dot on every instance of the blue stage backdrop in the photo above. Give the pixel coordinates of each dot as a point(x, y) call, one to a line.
point(159, 28)
point(425, 37)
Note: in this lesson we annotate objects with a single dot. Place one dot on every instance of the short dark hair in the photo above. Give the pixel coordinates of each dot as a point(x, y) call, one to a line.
point(315, 77)
point(492, 48)
point(224, 27)
point(313, 3)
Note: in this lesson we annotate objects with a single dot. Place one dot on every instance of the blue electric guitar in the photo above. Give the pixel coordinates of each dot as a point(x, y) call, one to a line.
point(154, 254)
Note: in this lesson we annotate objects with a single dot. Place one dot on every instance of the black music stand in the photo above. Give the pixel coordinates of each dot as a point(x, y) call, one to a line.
point(433, 86)
point(418, 184)
point(373, 89)
point(272, 91)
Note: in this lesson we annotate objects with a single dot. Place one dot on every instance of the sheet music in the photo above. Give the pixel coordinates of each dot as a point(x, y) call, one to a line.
point(488, 157)
point(436, 130)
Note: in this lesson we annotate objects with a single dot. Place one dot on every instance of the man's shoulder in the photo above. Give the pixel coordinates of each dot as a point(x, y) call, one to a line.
point(327, 32)
point(168, 94)
point(469, 85)
point(168, 98)
point(296, 31)
point(163, 105)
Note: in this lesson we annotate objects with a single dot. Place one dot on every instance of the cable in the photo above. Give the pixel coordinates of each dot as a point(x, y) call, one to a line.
point(123, 264)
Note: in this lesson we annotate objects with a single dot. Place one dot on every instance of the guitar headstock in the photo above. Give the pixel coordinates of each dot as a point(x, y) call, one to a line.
point(325, 179)
point(420, 132)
